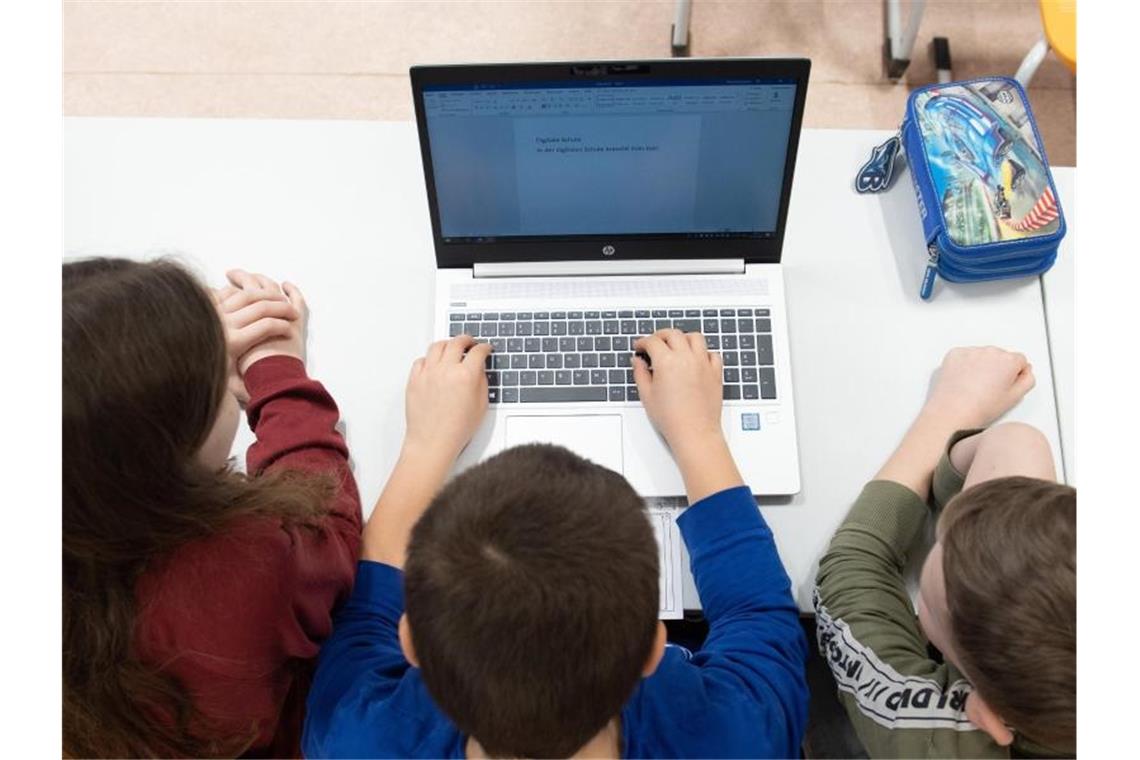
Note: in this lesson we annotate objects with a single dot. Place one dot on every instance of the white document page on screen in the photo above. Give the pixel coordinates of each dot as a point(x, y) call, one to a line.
point(672, 603)
point(607, 174)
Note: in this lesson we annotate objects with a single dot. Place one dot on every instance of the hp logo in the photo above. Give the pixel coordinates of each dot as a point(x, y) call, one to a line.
point(608, 250)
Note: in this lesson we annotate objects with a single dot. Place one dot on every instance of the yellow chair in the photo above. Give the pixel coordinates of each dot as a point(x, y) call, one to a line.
point(1059, 18)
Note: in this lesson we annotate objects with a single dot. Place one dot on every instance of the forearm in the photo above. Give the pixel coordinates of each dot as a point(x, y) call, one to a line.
point(707, 466)
point(912, 463)
point(417, 477)
point(364, 647)
point(735, 565)
point(864, 613)
point(755, 645)
point(963, 452)
point(291, 413)
point(862, 568)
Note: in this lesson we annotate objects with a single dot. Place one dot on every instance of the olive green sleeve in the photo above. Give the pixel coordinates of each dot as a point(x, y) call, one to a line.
point(948, 481)
point(902, 702)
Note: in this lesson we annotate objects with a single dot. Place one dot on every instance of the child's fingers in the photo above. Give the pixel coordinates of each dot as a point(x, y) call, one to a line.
point(266, 282)
point(221, 294)
point(293, 293)
point(454, 349)
point(417, 368)
point(477, 356)
point(642, 376)
point(717, 362)
point(673, 338)
point(697, 342)
point(652, 345)
point(241, 279)
point(247, 337)
point(242, 298)
point(260, 310)
point(1025, 381)
point(434, 352)
point(252, 281)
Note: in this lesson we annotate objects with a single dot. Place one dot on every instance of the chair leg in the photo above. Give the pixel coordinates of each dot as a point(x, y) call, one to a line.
point(679, 34)
point(1032, 60)
point(899, 42)
point(942, 60)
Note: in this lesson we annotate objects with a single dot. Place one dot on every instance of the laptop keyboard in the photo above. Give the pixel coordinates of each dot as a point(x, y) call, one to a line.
point(562, 356)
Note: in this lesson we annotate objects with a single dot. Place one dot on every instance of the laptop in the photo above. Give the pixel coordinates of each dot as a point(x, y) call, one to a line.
point(578, 206)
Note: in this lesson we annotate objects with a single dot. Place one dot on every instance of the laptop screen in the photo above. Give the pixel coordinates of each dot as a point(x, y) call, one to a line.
point(669, 159)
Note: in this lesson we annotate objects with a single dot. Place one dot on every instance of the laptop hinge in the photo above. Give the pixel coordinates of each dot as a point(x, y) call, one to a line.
point(608, 268)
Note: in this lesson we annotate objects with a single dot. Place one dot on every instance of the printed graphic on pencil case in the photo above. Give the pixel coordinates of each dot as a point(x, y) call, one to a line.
point(987, 170)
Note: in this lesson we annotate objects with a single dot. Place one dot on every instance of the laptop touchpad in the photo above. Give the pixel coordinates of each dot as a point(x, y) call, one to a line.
point(596, 437)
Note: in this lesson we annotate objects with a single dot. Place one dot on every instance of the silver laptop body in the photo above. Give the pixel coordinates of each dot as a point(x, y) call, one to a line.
point(577, 206)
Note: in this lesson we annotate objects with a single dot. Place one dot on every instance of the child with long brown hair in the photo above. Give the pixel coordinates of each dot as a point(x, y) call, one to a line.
point(195, 597)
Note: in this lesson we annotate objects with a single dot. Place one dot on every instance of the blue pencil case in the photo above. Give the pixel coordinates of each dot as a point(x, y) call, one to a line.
point(985, 193)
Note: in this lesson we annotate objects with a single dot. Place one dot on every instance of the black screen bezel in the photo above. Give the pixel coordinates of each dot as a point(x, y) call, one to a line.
point(753, 250)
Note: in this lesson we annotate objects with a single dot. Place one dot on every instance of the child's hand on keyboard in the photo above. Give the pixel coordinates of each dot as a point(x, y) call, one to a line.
point(682, 395)
point(446, 397)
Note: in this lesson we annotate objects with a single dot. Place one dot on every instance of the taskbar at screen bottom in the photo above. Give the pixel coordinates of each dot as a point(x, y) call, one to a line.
point(603, 238)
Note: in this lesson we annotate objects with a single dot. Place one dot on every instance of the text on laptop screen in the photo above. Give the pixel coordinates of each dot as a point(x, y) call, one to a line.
point(676, 159)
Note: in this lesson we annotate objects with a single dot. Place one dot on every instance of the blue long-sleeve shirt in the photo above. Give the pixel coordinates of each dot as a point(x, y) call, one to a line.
point(743, 694)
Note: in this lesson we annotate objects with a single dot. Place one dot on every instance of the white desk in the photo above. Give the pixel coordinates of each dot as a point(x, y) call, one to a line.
point(339, 208)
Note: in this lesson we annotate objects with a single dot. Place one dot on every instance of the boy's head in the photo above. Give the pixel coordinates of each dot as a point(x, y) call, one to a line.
point(999, 600)
point(531, 597)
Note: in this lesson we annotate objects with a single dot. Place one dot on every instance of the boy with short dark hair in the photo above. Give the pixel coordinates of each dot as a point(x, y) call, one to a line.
point(997, 594)
point(486, 555)
point(530, 584)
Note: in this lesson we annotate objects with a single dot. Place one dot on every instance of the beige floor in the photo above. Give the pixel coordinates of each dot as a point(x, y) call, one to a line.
point(349, 60)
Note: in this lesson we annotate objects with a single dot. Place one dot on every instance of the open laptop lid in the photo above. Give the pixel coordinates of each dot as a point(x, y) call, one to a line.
point(674, 159)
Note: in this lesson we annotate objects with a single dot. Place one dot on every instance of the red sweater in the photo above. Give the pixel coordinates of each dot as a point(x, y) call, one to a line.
point(239, 617)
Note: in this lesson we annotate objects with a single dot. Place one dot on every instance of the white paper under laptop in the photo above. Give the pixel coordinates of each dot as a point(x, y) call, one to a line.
point(672, 606)
point(576, 207)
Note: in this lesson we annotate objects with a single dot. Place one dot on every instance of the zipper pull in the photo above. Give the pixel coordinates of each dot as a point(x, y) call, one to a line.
point(931, 272)
point(875, 175)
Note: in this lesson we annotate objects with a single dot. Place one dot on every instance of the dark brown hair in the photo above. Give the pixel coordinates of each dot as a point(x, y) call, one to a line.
point(144, 373)
point(1010, 565)
point(531, 592)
